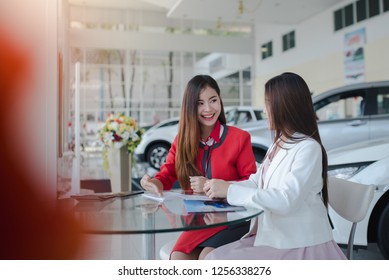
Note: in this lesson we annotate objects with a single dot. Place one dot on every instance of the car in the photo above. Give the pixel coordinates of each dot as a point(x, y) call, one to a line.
point(237, 115)
point(261, 137)
point(345, 115)
point(157, 140)
point(164, 123)
point(346, 161)
point(366, 162)
point(353, 113)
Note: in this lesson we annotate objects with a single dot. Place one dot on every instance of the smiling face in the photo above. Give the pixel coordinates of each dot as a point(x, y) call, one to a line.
point(208, 110)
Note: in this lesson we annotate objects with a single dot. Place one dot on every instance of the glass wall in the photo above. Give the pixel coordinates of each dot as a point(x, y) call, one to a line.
point(144, 83)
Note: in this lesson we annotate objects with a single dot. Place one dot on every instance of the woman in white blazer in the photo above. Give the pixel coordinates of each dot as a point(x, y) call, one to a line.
point(290, 186)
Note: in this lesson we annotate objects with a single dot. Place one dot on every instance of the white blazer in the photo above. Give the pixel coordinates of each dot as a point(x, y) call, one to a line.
point(294, 213)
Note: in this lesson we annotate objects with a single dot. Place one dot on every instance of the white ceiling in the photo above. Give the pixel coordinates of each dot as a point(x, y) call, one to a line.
point(130, 4)
point(262, 11)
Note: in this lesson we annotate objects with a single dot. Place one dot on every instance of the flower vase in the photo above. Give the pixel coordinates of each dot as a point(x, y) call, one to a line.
point(119, 161)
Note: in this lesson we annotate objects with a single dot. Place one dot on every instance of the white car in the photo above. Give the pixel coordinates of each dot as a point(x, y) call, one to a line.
point(261, 137)
point(368, 163)
point(157, 140)
point(346, 115)
point(240, 115)
point(346, 161)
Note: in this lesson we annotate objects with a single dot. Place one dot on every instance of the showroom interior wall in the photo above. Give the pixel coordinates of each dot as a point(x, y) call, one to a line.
point(33, 26)
point(319, 52)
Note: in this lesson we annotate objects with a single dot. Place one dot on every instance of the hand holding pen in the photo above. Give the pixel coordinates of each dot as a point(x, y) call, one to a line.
point(151, 185)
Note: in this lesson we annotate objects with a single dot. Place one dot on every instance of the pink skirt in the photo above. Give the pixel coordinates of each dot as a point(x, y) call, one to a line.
point(244, 250)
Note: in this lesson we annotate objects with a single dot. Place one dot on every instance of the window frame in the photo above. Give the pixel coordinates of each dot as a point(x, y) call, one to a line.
point(267, 50)
point(288, 41)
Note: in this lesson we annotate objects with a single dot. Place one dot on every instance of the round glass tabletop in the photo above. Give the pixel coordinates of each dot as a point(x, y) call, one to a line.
point(138, 214)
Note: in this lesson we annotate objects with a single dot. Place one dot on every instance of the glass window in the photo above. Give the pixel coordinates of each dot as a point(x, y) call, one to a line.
point(374, 8)
point(361, 10)
point(386, 5)
point(288, 41)
point(171, 123)
point(338, 22)
point(346, 108)
point(284, 42)
point(259, 114)
point(364, 9)
point(270, 46)
point(383, 101)
point(267, 50)
point(346, 105)
point(243, 117)
point(292, 40)
point(349, 15)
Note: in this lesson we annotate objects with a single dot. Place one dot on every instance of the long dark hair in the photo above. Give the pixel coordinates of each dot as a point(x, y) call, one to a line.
point(189, 128)
point(291, 110)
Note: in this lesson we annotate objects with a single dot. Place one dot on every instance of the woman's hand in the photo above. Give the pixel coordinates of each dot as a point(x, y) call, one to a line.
point(216, 188)
point(197, 183)
point(151, 185)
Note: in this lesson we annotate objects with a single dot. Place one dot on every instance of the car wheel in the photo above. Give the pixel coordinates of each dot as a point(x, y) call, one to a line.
point(383, 233)
point(156, 155)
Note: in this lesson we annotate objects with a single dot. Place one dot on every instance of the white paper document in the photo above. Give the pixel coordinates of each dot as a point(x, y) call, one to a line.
point(195, 206)
point(167, 195)
point(104, 196)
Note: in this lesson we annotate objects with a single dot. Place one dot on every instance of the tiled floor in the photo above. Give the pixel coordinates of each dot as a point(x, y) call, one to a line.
point(371, 253)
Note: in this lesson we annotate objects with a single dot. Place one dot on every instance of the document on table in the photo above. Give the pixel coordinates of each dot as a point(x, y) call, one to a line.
point(168, 195)
point(196, 206)
point(103, 196)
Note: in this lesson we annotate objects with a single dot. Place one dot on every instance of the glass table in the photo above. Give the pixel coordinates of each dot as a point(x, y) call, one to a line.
point(140, 215)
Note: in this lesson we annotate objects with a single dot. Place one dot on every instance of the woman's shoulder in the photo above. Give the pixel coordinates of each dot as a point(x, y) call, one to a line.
point(308, 142)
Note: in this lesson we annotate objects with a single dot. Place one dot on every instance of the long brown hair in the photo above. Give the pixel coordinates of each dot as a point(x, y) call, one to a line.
point(291, 110)
point(189, 128)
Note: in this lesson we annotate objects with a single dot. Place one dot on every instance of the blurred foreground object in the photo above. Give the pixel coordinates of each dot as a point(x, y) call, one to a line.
point(31, 227)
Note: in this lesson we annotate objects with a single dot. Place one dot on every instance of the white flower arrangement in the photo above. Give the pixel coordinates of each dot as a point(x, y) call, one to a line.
point(119, 131)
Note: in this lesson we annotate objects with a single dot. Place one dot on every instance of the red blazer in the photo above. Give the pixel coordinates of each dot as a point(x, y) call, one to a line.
point(231, 159)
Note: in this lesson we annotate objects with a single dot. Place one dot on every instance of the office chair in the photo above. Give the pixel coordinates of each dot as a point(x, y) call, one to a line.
point(164, 252)
point(351, 201)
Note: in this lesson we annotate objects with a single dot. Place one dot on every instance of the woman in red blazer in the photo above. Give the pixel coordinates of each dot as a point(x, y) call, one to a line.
point(204, 148)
